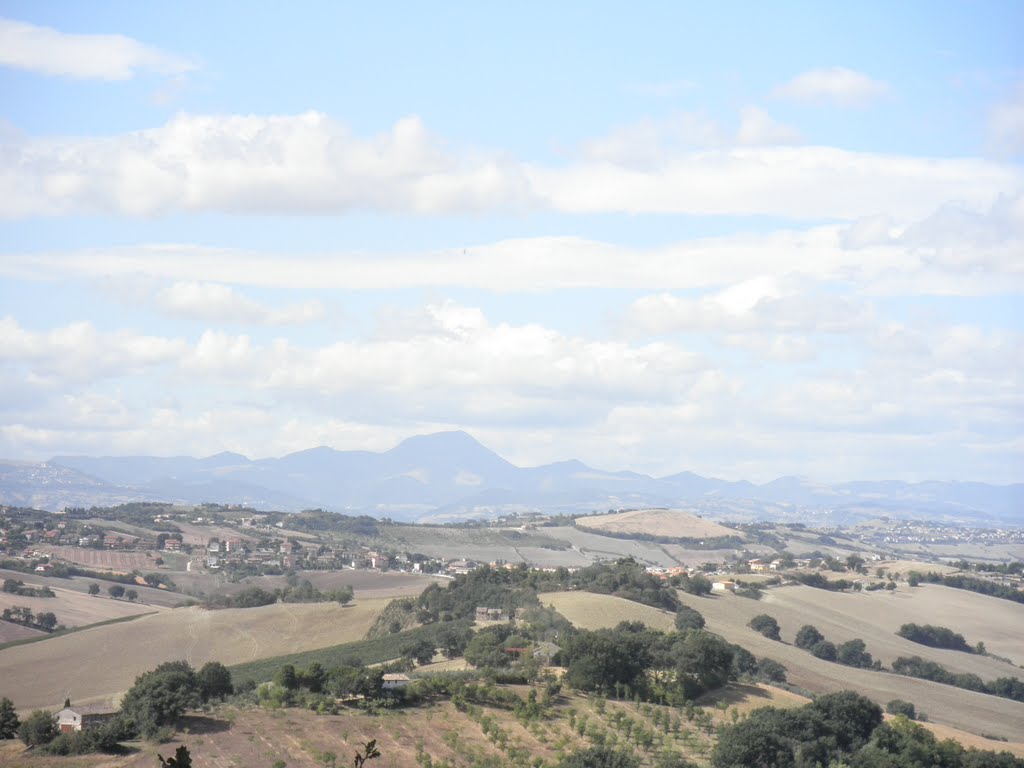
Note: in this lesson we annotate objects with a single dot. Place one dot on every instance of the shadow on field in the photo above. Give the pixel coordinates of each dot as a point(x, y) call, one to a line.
point(200, 725)
point(733, 694)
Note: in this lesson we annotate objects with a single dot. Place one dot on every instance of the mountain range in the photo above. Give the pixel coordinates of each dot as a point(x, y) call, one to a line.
point(451, 476)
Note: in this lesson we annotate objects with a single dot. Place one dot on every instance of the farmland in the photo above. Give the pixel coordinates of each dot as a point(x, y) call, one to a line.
point(728, 615)
point(669, 523)
point(104, 559)
point(102, 662)
point(76, 609)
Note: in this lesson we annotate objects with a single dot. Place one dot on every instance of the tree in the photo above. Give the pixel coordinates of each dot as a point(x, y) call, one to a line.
point(94, 589)
point(370, 752)
point(132, 595)
point(852, 653)
point(9, 722)
point(901, 707)
point(855, 563)
point(116, 591)
point(46, 621)
point(286, 677)
point(807, 637)
point(688, 618)
point(453, 640)
point(824, 650)
point(766, 625)
point(214, 681)
point(161, 696)
point(420, 652)
point(38, 728)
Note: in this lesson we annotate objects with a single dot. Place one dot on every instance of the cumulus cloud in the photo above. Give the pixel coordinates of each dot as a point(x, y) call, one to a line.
point(311, 164)
point(836, 85)
point(283, 164)
point(103, 57)
point(217, 302)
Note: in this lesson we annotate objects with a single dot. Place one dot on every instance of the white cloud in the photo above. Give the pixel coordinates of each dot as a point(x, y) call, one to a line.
point(758, 128)
point(217, 302)
point(951, 250)
point(311, 164)
point(105, 57)
point(1006, 126)
point(836, 85)
point(292, 164)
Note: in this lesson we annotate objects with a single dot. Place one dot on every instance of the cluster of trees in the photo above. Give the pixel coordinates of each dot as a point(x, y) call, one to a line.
point(116, 591)
point(17, 587)
point(819, 581)
point(852, 653)
point(845, 729)
point(935, 637)
point(672, 667)
point(19, 614)
point(915, 666)
point(972, 583)
point(299, 592)
point(766, 625)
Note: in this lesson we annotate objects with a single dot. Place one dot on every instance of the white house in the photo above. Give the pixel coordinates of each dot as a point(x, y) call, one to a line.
point(84, 718)
point(394, 680)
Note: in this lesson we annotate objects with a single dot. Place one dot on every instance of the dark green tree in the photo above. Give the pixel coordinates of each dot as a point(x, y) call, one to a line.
point(94, 589)
point(421, 652)
point(807, 637)
point(853, 653)
point(688, 618)
point(116, 591)
point(9, 722)
point(824, 650)
point(181, 759)
point(38, 728)
point(214, 681)
point(132, 595)
point(160, 697)
point(766, 625)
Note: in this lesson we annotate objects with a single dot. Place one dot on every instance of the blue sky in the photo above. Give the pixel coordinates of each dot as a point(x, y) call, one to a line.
point(742, 241)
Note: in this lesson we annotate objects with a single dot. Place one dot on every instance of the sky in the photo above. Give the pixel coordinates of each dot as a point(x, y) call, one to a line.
point(745, 240)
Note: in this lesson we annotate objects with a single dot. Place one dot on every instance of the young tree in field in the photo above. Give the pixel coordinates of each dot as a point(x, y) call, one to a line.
point(9, 722)
point(116, 591)
point(766, 625)
point(94, 589)
point(39, 728)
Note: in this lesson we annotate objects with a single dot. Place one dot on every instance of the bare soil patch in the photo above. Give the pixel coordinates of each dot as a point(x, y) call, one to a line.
point(104, 559)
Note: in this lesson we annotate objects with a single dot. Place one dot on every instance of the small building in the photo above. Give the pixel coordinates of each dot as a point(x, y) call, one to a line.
point(490, 614)
point(84, 718)
point(172, 545)
point(723, 586)
point(392, 681)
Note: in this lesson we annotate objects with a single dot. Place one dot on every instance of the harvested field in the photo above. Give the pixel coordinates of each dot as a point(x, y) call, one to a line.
point(104, 559)
point(103, 661)
point(674, 523)
point(10, 632)
point(590, 611)
point(76, 609)
point(80, 584)
point(594, 546)
point(728, 615)
point(874, 617)
point(904, 567)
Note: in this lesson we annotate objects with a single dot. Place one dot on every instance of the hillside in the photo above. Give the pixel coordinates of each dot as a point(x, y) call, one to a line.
point(102, 662)
point(794, 606)
point(668, 523)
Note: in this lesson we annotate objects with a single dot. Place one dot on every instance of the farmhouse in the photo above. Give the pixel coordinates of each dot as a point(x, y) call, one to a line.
point(490, 614)
point(393, 681)
point(84, 718)
point(723, 586)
